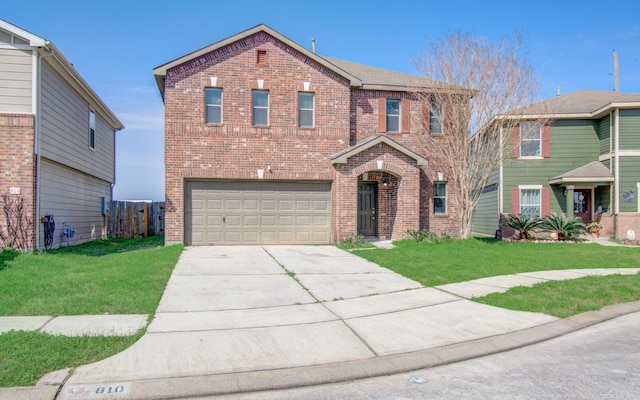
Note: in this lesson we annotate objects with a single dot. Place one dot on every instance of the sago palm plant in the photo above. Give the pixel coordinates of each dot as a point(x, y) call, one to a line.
point(562, 225)
point(523, 224)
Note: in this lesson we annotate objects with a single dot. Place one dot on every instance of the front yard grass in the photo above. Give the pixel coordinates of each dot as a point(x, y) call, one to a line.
point(453, 261)
point(115, 276)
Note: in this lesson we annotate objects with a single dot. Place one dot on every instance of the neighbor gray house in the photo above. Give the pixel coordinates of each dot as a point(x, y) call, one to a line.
point(57, 141)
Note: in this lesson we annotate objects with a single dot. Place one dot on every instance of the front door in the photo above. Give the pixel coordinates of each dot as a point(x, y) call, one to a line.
point(367, 208)
point(582, 204)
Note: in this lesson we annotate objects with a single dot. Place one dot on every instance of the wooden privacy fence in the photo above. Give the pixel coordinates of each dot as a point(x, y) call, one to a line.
point(130, 219)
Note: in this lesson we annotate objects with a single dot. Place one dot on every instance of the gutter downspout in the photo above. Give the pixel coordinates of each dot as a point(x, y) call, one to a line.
point(617, 172)
point(37, 133)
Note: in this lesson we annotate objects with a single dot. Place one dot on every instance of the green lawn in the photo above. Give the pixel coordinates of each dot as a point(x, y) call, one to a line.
point(462, 260)
point(566, 298)
point(116, 276)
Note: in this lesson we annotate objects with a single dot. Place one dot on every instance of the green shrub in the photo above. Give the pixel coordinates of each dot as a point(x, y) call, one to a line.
point(523, 224)
point(562, 225)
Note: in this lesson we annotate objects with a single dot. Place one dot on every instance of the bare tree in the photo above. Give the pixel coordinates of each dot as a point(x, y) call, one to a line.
point(17, 232)
point(485, 84)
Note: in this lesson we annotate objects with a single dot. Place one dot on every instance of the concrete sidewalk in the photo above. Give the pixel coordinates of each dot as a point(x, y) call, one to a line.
point(238, 319)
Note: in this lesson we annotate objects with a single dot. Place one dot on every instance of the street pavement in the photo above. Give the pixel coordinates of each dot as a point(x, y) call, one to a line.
point(247, 318)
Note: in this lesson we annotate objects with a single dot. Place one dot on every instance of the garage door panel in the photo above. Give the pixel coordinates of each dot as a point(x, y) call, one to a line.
point(257, 212)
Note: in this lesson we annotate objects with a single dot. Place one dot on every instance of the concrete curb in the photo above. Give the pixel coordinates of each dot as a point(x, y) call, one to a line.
point(210, 385)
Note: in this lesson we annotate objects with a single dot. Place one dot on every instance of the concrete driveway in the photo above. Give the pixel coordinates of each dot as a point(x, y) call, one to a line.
point(255, 310)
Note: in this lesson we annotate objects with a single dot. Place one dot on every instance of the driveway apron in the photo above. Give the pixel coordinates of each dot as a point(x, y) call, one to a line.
point(256, 308)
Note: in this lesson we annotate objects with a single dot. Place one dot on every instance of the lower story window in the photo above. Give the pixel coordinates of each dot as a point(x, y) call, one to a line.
point(439, 197)
point(530, 205)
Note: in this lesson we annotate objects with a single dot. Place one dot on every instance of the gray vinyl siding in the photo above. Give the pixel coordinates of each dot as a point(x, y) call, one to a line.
point(574, 143)
point(15, 81)
point(629, 129)
point(73, 197)
point(486, 217)
point(604, 134)
point(629, 178)
point(65, 129)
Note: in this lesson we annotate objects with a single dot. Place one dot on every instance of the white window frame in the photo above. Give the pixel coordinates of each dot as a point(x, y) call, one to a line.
point(434, 119)
point(312, 110)
point(440, 197)
point(387, 115)
point(92, 129)
point(527, 138)
point(538, 188)
point(254, 107)
point(208, 106)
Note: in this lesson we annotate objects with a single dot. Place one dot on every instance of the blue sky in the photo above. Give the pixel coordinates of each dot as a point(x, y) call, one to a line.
point(116, 44)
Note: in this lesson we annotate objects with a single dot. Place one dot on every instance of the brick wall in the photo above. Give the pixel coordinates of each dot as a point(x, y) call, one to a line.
point(236, 149)
point(17, 164)
point(625, 222)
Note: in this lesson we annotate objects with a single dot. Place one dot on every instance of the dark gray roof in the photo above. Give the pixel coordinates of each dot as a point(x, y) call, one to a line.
point(582, 103)
point(374, 78)
point(593, 172)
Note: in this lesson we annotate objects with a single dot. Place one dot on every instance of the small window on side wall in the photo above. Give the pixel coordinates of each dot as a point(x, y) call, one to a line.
point(530, 202)
point(92, 129)
point(435, 118)
point(213, 105)
point(439, 197)
point(306, 102)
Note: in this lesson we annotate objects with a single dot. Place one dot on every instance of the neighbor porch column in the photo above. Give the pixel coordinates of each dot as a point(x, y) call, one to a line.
point(569, 200)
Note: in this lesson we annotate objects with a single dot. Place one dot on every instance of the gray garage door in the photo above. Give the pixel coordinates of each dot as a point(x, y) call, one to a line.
point(257, 213)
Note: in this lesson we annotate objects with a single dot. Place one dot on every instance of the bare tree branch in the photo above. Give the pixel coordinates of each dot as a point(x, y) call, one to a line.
point(487, 86)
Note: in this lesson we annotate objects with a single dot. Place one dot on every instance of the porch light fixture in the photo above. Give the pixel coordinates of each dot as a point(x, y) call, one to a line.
point(384, 182)
point(260, 173)
point(380, 163)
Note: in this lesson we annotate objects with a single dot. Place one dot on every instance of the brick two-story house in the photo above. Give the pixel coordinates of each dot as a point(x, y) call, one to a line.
point(267, 142)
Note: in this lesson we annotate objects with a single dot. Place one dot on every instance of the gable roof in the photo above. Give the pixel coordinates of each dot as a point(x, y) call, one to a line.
point(580, 104)
point(594, 172)
point(343, 156)
point(62, 66)
point(360, 76)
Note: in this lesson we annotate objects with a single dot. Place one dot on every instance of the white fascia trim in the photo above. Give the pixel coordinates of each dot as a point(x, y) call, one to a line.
point(529, 187)
point(628, 153)
point(34, 40)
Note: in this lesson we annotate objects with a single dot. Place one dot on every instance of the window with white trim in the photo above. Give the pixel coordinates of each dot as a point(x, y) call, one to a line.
point(393, 115)
point(435, 118)
point(260, 104)
point(213, 105)
point(439, 197)
point(306, 102)
point(530, 139)
point(530, 202)
point(92, 129)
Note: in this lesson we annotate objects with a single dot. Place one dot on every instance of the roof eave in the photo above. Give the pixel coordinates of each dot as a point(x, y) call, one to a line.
point(568, 181)
point(342, 158)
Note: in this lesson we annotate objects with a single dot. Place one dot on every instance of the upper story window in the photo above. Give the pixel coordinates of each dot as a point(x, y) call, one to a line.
point(435, 118)
point(92, 129)
point(306, 103)
point(260, 105)
point(530, 202)
point(530, 139)
point(213, 105)
point(393, 115)
point(439, 197)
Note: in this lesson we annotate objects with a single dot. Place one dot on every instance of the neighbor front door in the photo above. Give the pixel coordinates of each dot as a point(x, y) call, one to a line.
point(367, 208)
point(582, 204)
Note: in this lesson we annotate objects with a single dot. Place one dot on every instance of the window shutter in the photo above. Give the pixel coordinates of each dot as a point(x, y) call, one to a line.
point(545, 202)
point(382, 115)
point(515, 201)
point(515, 141)
point(546, 141)
point(425, 118)
point(405, 115)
